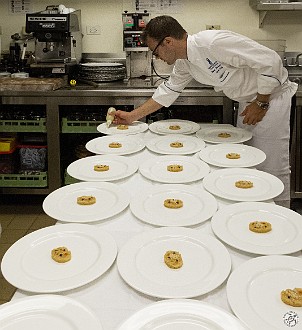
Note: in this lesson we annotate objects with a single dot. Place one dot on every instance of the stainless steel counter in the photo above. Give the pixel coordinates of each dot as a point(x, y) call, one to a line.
point(130, 88)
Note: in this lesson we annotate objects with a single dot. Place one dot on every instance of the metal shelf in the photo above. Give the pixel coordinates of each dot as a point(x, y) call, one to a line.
point(265, 7)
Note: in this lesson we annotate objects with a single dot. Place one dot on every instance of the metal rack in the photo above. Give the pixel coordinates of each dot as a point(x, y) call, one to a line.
point(264, 6)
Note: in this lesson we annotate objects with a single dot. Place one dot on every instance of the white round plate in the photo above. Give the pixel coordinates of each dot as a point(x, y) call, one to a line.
point(134, 128)
point(198, 205)
point(101, 64)
point(254, 288)
point(182, 314)
point(28, 265)
point(216, 155)
point(210, 134)
point(161, 144)
point(62, 204)
point(163, 126)
point(119, 167)
point(156, 169)
point(231, 225)
point(206, 263)
point(47, 312)
point(221, 183)
point(130, 145)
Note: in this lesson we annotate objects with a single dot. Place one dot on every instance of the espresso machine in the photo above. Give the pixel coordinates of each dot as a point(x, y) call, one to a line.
point(138, 55)
point(58, 40)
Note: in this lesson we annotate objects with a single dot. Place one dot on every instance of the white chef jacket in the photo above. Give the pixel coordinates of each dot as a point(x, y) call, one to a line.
point(228, 61)
point(241, 68)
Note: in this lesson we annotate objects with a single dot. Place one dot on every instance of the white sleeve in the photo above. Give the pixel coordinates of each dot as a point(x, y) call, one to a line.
point(244, 52)
point(169, 90)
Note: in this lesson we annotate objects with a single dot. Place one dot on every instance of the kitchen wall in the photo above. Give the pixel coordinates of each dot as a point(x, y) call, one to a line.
point(234, 15)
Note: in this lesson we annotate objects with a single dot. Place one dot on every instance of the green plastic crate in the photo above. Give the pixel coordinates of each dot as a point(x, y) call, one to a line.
point(24, 180)
point(78, 126)
point(23, 125)
point(69, 179)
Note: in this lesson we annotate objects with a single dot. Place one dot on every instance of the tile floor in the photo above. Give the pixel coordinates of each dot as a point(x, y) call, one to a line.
point(21, 215)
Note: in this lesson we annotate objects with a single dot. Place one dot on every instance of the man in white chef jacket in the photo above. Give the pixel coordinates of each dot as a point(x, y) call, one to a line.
point(242, 69)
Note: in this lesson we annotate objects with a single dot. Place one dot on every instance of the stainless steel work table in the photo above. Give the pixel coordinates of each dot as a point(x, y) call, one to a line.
point(133, 93)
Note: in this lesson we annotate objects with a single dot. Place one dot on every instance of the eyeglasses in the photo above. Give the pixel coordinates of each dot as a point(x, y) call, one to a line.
point(154, 53)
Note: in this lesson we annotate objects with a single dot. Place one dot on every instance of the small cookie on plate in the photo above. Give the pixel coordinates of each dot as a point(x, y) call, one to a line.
point(173, 203)
point(122, 126)
point(61, 254)
point(292, 297)
point(176, 144)
point(115, 145)
point(174, 127)
point(173, 259)
point(175, 168)
point(232, 155)
point(86, 200)
point(101, 168)
point(260, 226)
point(224, 135)
point(244, 184)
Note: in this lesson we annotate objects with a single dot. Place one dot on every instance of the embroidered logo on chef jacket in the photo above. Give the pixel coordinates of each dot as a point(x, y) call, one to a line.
point(217, 68)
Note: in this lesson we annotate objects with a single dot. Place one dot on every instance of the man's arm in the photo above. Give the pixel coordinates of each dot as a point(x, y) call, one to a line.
point(123, 117)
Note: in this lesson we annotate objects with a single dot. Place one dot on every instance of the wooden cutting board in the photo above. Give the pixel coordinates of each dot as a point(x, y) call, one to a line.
point(31, 84)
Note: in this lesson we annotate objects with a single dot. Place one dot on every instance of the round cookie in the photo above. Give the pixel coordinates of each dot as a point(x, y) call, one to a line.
point(260, 226)
point(172, 203)
point(173, 259)
point(101, 168)
point(61, 254)
point(175, 168)
point(86, 200)
point(174, 127)
point(232, 155)
point(224, 135)
point(244, 184)
point(176, 145)
point(292, 297)
point(115, 145)
point(122, 126)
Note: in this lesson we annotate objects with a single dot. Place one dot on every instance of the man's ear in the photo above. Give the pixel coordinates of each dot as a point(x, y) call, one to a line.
point(169, 41)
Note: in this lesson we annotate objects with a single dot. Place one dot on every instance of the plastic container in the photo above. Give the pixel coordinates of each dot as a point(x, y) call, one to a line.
point(8, 162)
point(9, 125)
point(7, 144)
point(36, 179)
point(33, 157)
point(79, 126)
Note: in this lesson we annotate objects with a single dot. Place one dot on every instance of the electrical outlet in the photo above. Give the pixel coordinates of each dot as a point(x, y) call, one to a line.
point(93, 29)
point(213, 27)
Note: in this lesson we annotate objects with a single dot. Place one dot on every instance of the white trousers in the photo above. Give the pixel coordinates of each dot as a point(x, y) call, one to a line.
point(271, 135)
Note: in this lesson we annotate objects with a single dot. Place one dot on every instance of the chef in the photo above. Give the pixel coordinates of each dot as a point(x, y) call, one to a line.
point(242, 69)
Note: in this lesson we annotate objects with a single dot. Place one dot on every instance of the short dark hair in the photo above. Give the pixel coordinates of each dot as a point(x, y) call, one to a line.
point(163, 26)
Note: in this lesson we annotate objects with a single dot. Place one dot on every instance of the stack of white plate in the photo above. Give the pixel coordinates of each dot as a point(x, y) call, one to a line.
point(102, 72)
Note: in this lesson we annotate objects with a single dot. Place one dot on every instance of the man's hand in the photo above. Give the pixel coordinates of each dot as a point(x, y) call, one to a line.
point(126, 118)
point(123, 117)
point(253, 114)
